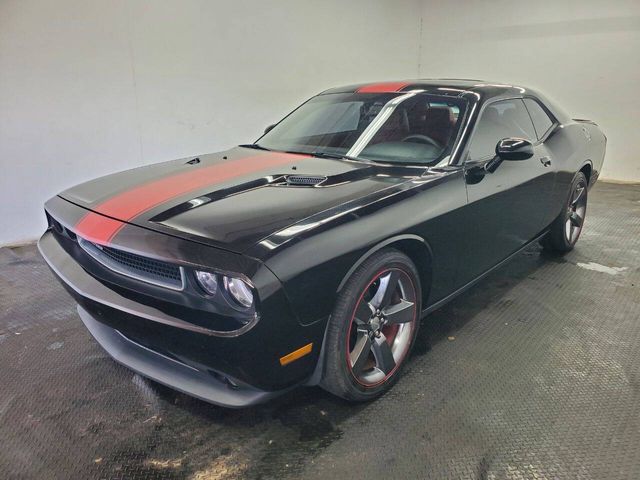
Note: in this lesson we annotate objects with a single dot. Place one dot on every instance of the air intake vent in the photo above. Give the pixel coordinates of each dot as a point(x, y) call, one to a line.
point(305, 180)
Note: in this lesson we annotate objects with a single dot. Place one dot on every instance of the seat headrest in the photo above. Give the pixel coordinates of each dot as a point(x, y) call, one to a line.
point(439, 115)
point(417, 115)
point(492, 115)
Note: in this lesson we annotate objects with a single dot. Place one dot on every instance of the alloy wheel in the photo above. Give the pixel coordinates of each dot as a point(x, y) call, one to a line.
point(381, 329)
point(575, 213)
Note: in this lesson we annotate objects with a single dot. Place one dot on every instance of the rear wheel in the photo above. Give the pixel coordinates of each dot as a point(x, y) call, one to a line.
point(373, 327)
point(566, 229)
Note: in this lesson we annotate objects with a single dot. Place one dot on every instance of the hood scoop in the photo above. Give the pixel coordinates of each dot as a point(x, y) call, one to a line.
point(305, 180)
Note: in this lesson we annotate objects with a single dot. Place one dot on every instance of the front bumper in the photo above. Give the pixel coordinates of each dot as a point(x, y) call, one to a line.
point(176, 346)
point(165, 370)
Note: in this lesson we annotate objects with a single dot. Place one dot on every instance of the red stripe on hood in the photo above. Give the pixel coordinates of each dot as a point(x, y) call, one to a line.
point(387, 87)
point(132, 203)
point(97, 228)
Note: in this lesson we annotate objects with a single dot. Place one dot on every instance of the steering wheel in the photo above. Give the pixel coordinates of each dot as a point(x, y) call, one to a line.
point(417, 138)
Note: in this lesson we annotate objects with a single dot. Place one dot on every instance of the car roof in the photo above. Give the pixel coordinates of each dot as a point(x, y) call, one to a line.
point(442, 86)
point(477, 91)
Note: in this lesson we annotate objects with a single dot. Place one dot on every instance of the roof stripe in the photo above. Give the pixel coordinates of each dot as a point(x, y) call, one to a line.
point(387, 87)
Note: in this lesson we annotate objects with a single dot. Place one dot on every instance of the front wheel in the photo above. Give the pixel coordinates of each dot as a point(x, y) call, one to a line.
point(566, 229)
point(373, 327)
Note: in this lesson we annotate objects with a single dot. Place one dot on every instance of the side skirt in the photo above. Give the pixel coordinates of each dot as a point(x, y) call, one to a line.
point(466, 287)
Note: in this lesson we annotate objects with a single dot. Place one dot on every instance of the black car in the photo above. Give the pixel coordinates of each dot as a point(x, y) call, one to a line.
point(310, 256)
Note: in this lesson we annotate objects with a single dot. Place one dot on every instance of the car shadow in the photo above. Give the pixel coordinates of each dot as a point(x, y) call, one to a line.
point(444, 322)
point(301, 423)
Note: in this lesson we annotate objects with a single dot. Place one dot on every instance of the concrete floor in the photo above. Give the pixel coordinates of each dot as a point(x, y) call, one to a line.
point(534, 373)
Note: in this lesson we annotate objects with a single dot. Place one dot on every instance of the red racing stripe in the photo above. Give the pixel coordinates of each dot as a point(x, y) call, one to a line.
point(387, 87)
point(98, 228)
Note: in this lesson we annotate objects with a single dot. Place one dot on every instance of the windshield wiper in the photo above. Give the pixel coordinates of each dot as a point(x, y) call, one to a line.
point(336, 156)
point(339, 156)
point(255, 146)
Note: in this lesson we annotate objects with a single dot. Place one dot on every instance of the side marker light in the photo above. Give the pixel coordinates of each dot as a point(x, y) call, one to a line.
point(296, 354)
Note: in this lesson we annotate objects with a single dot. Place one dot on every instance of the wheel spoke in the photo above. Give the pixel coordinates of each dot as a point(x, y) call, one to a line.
point(363, 312)
point(382, 353)
point(574, 233)
point(360, 353)
point(402, 312)
point(575, 219)
point(388, 285)
point(577, 195)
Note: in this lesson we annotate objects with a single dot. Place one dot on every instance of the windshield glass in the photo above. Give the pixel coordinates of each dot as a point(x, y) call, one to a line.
point(412, 128)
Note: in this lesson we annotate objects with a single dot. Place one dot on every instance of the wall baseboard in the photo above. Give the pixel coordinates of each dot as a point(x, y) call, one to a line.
point(19, 243)
point(619, 182)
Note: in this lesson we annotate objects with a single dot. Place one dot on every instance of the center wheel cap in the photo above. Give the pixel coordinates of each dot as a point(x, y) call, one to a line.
point(376, 323)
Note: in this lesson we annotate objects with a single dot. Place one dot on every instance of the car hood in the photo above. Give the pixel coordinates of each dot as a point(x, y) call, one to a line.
point(233, 199)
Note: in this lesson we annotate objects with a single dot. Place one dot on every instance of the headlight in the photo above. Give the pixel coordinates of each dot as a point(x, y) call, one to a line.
point(208, 281)
point(239, 291)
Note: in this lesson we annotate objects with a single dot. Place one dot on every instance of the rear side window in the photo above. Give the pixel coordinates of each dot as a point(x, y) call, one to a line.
point(541, 119)
point(499, 120)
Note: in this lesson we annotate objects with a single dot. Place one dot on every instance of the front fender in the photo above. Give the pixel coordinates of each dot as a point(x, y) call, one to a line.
point(314, 264)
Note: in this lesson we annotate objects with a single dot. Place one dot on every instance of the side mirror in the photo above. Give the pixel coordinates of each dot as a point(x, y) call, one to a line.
point(514, 149)
point(269, 128)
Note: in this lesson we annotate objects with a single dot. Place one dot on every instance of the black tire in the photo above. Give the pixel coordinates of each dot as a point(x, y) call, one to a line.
point(566, 228)
point(391, 328)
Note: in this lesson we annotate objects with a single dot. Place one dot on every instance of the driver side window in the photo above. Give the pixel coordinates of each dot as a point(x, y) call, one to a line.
point(502, 119)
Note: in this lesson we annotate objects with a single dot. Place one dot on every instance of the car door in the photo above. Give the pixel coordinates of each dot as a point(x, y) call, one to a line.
point(506, 208)
point(545, 125)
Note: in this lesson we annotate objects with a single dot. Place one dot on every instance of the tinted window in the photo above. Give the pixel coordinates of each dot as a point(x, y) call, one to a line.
point(507, 118)
point(325, 118)
point(420, 121)
point(541, 120)
point(390, 127)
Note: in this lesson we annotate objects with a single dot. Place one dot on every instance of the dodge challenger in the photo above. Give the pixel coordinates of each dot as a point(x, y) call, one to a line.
point(310, 256)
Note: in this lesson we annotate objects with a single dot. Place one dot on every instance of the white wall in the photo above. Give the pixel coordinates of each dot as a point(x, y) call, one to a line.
point(585, 54)
point(92, 87)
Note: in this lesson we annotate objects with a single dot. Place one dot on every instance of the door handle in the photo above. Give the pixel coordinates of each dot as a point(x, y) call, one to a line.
point(545, 161)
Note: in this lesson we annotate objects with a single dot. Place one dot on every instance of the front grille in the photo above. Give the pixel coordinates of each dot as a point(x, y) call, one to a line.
point(136, 266)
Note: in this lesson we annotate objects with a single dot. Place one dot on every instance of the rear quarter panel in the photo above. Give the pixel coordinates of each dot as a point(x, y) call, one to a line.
point(574, 145)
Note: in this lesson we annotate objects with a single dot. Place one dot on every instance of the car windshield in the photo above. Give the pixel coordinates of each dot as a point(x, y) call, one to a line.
point(410, 128)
